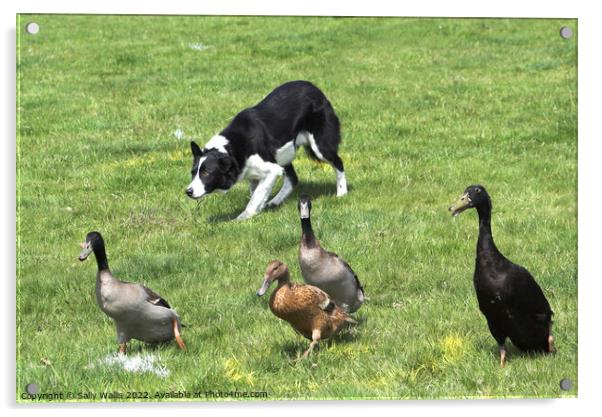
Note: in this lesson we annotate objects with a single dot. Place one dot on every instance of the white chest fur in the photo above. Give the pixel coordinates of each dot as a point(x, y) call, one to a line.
point(257, 169)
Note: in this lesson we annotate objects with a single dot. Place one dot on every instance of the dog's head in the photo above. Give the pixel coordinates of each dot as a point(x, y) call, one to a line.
point(212, 170)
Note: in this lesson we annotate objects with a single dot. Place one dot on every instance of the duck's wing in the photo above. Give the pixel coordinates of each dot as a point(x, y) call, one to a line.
point(528, 297)
point(154, 298)
point(346, 265)
point(310, 295)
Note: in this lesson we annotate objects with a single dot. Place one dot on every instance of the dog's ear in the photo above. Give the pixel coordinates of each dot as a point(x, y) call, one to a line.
point(225, 163)
point(227, 166)
point(196, 151)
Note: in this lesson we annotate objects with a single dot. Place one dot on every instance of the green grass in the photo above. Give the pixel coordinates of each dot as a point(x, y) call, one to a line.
point(428, 106)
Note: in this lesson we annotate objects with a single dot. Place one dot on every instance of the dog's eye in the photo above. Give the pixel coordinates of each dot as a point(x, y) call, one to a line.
point(204, 173)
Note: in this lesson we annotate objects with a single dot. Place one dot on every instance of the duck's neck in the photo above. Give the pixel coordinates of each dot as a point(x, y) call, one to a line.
point(307, 237)
point(100, 255)
point(285, 280)
point(279, 295)
point(485, 244)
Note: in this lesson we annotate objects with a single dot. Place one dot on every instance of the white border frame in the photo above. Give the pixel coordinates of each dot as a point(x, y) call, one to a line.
point(590, 135)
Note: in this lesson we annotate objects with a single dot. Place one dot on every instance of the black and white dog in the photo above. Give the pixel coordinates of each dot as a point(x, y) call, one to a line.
point(260, 144)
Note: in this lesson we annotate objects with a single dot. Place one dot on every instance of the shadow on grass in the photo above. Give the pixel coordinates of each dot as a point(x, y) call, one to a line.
point(513, 352)
point(314, 190)
point(293, 350)
point(138, 347)
point(225, 217)
point(351, 332)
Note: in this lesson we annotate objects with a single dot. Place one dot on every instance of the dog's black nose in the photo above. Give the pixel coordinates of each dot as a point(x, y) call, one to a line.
point(189, 192)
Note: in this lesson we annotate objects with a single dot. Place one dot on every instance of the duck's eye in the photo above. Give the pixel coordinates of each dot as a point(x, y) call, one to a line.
point(203, 173)
point(478, 190)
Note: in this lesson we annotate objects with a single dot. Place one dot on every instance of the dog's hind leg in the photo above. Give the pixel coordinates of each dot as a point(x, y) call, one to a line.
point(324, 143)
point(290, 180)
point(337, 164)
point(331, 156)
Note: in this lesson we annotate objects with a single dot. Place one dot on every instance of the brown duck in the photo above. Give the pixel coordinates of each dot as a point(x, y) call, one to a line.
point(308, 309)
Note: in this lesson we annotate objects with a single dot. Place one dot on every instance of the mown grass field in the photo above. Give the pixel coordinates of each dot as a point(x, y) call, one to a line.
point(428, 106)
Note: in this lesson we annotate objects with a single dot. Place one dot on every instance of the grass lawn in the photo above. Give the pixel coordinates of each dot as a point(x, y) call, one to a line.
point(108, 105)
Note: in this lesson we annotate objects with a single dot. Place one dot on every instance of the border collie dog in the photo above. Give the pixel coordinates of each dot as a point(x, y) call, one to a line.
point(260, 144)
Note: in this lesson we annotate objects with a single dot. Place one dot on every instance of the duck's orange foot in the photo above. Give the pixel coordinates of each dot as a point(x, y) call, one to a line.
point(180, 342)
point(315, 335)
point(307, 352)
point(502, 356)
point(551, 348)
point(179, 339)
